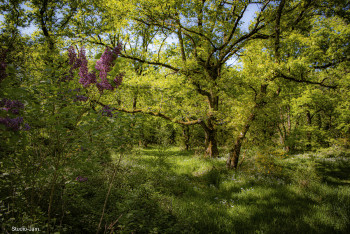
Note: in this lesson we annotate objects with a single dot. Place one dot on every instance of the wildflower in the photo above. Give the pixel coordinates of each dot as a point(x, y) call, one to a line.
point(81, 179)
point(26, 127)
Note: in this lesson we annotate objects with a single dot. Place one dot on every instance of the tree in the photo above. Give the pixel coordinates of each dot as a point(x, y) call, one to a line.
point(207, 33)
point(293, 57)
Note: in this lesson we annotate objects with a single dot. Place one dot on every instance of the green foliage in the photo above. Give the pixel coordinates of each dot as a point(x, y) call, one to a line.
point(284, 101)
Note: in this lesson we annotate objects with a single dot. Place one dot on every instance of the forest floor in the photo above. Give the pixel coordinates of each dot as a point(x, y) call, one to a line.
point(176, 190)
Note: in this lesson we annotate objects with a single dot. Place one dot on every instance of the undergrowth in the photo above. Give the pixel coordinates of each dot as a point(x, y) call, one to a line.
point(167, 190)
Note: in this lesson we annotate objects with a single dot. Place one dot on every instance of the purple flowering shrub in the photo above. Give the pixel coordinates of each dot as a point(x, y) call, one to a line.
point(103, 66)
point(12, 107)
point(98, 76)
point(61, 122)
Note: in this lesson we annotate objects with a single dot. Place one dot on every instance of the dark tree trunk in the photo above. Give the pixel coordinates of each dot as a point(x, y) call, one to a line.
point(211, 143)
point(209, 126)
point(288, 147)
point(308, 134)
point(233, 158)
point(186, 135)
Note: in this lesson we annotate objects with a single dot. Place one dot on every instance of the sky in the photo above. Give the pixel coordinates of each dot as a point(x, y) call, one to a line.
point(249, 15)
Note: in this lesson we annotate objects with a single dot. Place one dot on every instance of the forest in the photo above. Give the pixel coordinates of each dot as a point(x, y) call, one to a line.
point(175, 116)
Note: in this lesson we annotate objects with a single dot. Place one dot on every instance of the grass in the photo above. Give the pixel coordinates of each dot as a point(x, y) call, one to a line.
point(198, 195)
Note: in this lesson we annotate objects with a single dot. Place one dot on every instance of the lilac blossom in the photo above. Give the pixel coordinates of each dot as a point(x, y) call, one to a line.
point(104, 84)
point(26, 127)
point(118, 79)
point(12, 124)
point(103, 66)
point(86, 78)
point(81, 98)
point(118, 49)
point(12, 106)
point(105, 63)
point(83, 70)
point(74, 61)
point(107, 111)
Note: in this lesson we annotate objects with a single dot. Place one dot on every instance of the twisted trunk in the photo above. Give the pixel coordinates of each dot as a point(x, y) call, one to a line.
point(232, 161)
point(211, 143)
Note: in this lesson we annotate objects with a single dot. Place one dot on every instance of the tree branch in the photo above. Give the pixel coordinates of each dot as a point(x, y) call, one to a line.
point(149, 62)
point(244, 37)
point(278, 29)
point(157, 114)
point(327, 65)
point(201, 91)
point(306, 81)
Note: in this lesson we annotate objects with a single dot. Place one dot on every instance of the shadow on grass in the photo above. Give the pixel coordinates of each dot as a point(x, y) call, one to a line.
point(334, 171)
point(276, 210)
point(209, 201)
point(160, 152)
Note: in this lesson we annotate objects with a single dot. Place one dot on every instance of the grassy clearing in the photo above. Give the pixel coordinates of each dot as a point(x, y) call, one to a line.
point(269, 194)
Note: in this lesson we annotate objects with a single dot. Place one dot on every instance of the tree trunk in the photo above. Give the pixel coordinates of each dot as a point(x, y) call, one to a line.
point(308, 134)
point(284, 128)
point(211, 143)
point(186, 135)
point(233, 158)
point(210, 128)
point(290, 145)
